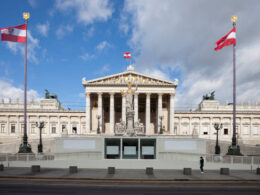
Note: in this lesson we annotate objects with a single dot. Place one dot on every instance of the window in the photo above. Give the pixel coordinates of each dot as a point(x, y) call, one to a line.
point(2, 128)
point(43, 130)
point(63, 128)
point(255, 130)
point(74, 130)
point(33, 128)
point(205, 133)
point(225, 131)
point(53, 129)
point(12, 128)
point(22, 128)
point(84, 128)
point(246, 130)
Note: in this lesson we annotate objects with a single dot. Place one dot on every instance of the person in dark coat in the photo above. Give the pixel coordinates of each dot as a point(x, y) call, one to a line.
point(201, 164)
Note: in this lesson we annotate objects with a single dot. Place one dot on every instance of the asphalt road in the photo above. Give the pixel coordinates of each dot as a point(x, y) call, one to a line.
point(31, 187)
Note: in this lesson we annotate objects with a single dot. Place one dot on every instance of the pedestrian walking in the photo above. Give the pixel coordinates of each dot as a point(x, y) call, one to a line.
point(201, 164)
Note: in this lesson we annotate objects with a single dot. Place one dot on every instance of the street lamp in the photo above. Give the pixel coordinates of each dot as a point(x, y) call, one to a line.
point(40, 144)
point(218, 127)
point(161, 130)
point(98, 128)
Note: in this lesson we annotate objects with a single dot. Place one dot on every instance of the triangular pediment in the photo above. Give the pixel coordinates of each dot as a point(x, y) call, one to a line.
point(124, 77)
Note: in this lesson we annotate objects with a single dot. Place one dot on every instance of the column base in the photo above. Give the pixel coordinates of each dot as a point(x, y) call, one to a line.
point(25, 148)
point(217, 149)
point(234, 150)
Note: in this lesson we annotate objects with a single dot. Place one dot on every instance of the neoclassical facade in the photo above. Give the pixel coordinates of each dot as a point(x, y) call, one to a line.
point(153, 102)
point(106, 100)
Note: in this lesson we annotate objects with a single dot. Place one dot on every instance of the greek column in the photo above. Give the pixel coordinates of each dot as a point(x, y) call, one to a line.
point(171, 113)
point(136, 107)
point(100, 111)
point(112, 113)
point(159, 112)
point(147, 114)
point(87, 113)
point(123, 109)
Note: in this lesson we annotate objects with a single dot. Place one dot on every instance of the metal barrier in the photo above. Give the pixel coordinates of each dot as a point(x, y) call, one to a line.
point(249, 160)
point(25, 157)
point(233, 159)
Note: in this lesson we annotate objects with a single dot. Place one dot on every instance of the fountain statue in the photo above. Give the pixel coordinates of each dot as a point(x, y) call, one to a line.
point(129, 128)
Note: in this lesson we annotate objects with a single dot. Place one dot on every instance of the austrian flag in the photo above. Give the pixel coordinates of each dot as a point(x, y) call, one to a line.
point(127, 55)
point(227, 40)
point(14, 34)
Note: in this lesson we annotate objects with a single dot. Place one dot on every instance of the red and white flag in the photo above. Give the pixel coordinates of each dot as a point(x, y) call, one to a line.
point(14, 34)
point(227, 40)
point(127, 55)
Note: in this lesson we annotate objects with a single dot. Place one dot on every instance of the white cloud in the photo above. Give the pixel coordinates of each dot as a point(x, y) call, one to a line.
point(102, 45)
point(7, 90)
point(32, 46)
point(86, 56)
point(43, 28)
point(63, 30)
point(87, 11)
point(156, 73)
point(181, 35)
point(32, 3)
point(91, 31)
point(105, 69)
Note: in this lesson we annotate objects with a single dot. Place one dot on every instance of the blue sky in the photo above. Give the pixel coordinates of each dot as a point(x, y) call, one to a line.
point(168, 39)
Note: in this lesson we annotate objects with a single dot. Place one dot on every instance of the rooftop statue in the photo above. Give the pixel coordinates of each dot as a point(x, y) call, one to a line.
point(209, 97)
point(50, 96)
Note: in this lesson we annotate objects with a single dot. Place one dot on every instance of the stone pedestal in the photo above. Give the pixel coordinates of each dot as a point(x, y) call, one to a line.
point(73, 169)
point(111, 170)
point(36, 168)
point(187, 171)
point(224, 171)
point(149, 170)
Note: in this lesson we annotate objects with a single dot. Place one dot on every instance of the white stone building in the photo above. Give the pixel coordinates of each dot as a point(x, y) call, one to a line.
point(153, 108)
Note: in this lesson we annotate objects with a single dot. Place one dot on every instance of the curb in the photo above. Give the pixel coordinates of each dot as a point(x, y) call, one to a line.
point(113, 180)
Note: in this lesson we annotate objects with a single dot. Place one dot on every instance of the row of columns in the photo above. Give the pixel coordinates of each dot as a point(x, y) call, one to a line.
point(112, 112)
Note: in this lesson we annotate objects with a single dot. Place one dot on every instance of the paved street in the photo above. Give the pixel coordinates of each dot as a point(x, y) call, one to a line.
point(15, 180)
point(11, 187)
point(129, 174)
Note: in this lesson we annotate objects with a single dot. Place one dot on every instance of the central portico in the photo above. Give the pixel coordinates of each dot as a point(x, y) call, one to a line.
point(153, 102)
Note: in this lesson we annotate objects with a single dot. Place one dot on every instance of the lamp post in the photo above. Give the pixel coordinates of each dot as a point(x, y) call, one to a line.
point(234, 149)
point(218, 127)
point(161, 130)
point(25, 147)
point(40, 144)
point(98, 128)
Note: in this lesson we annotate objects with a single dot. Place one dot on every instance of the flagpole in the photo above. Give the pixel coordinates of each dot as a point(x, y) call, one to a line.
point(234, 149)
point(25, 147)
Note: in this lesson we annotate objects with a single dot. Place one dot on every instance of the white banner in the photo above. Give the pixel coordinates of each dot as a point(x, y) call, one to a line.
point(113, 150)
point(129, 150)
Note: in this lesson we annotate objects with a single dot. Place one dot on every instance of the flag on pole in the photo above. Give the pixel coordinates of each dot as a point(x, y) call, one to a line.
point(227, 40)
point(127, 55)
point(14, 34)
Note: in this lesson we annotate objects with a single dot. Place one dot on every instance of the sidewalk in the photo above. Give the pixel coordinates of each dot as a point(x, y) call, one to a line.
point(128, 175)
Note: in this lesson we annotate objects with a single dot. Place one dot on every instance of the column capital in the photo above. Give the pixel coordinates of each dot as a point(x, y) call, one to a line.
point(87, 93)
point(172, 94)
point(112, 93)
point(148, 94)
point(100, 93)
point(160, 94)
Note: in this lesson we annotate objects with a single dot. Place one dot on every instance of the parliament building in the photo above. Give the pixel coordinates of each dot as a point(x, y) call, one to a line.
point(153, 112)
